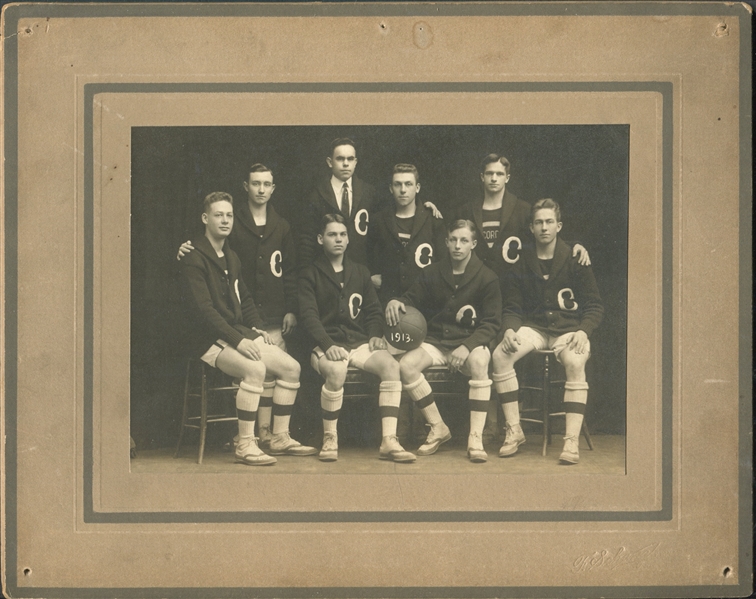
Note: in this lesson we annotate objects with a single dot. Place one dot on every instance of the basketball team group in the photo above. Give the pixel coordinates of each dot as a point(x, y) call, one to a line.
point(391, 292)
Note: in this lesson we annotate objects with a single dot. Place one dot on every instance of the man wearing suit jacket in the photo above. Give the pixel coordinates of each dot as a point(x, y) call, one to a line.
point(342, 193)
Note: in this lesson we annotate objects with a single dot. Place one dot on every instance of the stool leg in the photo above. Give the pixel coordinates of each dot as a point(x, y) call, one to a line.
point(545, 407)
point(203, 415)
point(185, 411)
point(587, 435)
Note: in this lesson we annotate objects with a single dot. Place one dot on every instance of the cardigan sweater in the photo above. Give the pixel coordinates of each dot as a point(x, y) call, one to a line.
point(514, 231)
point(468, 315)
point(566, 302)
point(347, 316)
point(268, 263)
point(221, 305)
point(400, 265)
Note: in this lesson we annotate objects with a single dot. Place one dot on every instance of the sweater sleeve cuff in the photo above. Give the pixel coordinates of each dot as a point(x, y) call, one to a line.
point(235, 338)
point(325, 343)
point(511, 323)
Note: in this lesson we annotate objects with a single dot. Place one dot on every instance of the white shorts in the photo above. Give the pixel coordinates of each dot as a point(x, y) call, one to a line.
point(542, 341)
point(441, 357)
point(357, 357)
point(276, 336)
point(394, 351)
point(211, 355)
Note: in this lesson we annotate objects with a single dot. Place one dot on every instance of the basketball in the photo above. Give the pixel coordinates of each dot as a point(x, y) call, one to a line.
point(409, 332)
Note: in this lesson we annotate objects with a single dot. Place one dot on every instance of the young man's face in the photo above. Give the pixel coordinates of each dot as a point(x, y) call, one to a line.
point(494, 177)
point(334, 239)
point(404, 188)
point(342, 162)
point(545, 226)
point(219, 219)
point(460, 243)
point(259, 187)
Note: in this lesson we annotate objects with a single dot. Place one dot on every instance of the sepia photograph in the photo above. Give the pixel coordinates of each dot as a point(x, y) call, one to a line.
point(376, 300)
point(280, 177)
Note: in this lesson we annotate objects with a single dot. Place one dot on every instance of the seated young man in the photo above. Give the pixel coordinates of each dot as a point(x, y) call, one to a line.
point(227, 327)
point(340, 310)
point(550, 302)
point(403, 239)
point(461, 301)
point(265, 245)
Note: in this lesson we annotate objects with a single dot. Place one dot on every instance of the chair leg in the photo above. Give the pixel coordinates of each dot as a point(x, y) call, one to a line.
point(203, 415)
point(546, 428)
point(185, 411)
point(587, 435)
point(546, 405)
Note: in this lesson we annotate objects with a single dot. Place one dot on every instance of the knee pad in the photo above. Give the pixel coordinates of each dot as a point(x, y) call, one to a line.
point(390, 386)
point(480, 389)
point(250, 388)
point(332, 395)
point(506, 381)
point(480, 383)
point(287, 384)
point(419, 389)
point(576, 386)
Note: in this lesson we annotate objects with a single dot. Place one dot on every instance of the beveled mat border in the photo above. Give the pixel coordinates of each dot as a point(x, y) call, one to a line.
point(665, 89)
point(13, 13)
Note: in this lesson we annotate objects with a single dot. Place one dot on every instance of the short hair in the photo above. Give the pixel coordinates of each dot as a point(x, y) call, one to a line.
point(342, 141)
point(546, 204)
point(216, 196)
point(258, 167)
point(490, 158)
point(462, 223)
point(331, 218)
point(406, 168)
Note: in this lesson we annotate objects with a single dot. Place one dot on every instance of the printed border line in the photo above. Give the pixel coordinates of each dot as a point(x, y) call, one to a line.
point(339, 9)
point(11, 329)
point(665, 513)
point(745, 314)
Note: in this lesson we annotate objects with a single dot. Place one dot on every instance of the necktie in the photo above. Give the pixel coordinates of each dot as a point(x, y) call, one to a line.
point(345, 200)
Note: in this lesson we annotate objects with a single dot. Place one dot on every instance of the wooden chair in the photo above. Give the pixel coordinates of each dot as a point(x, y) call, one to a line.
point(550, 379)
point(206, 384)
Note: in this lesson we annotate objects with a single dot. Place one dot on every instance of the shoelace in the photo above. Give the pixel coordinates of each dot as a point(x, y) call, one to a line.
point(252, 441)
point(475, 439)
point(510, 432)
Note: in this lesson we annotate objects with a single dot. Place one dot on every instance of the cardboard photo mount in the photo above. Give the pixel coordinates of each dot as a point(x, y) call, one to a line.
point(78, 78)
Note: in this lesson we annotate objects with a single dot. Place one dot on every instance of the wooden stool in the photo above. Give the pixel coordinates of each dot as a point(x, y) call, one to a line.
point(206, 389)
point(547, 382)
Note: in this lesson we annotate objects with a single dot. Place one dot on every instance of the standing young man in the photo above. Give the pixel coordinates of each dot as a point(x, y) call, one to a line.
point(340, 310)
point(340, 193)
point(461, 301)
point(228, 328)
point(265, 245)
point(502, 218)
point(345, 194)
point(403, 239)
point(550, 302)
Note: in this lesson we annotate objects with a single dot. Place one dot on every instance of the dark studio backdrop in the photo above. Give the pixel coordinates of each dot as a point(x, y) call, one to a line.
point(583, 167)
